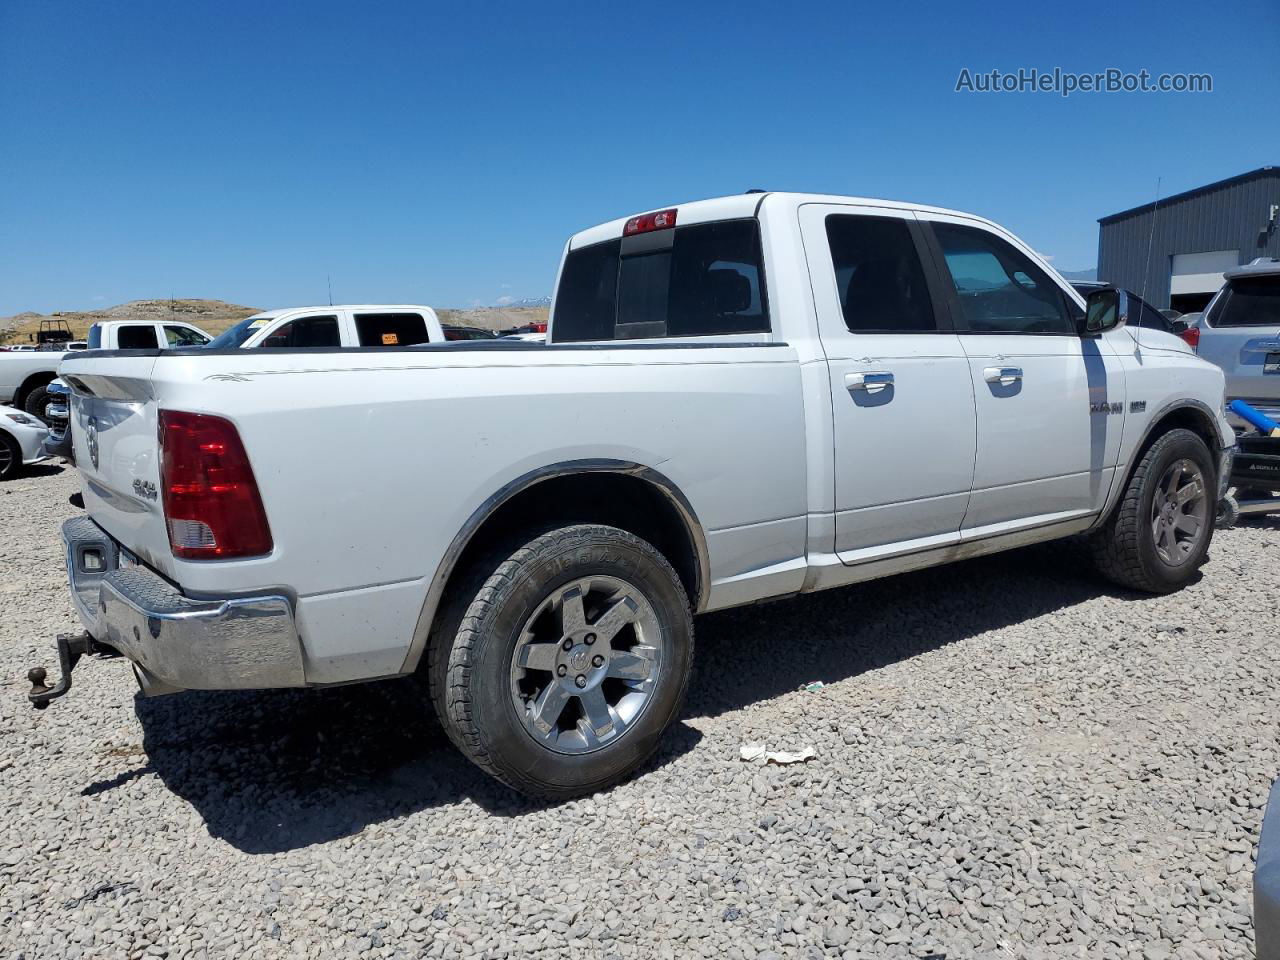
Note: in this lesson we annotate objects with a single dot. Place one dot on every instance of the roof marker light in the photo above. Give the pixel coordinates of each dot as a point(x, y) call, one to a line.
point(662, 220)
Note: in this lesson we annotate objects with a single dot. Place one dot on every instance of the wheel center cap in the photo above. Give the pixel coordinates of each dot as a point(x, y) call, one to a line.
point(579, 658)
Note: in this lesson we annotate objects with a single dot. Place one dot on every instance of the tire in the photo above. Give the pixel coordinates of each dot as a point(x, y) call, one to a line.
point(10, 457)
point(505, 682)
point(1228, 513)
point(1125, 548)
point(36, 401)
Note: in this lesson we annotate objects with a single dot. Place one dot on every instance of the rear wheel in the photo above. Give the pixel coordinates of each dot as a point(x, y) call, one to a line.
point(10, 457)
point(569, 661)
point(1159, 533)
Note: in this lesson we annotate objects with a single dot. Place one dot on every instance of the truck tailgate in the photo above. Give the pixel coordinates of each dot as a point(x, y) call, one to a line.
point(114, 412)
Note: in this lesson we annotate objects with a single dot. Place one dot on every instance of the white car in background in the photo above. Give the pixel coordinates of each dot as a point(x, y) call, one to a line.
point(21, 441)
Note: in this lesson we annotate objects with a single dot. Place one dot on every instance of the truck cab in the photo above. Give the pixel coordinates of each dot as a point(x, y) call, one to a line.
point(359, 325)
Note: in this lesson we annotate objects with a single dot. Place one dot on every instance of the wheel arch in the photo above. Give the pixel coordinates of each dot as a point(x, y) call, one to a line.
point(1189, 414)
point(632, 496)
point(34, 381)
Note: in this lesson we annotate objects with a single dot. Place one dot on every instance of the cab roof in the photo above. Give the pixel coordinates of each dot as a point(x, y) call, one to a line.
point(749, 205)
point(281, 311)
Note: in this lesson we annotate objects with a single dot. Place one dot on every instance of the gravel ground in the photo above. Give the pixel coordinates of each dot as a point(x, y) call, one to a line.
point(1013, 760)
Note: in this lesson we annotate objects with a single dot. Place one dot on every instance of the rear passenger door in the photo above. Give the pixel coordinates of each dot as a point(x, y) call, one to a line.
point(902, 402)
point(1050, 404)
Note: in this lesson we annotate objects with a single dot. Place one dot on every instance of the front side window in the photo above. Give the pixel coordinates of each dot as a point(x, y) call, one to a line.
point(391, 329)
point(1249, 302)
point(184, 337)
point(140, 336)
point(321, 331)
point(879, 278)
point(999, 289)
point(705, 279)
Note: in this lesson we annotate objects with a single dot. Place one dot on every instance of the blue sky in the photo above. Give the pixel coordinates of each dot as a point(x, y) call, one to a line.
point(442, 153)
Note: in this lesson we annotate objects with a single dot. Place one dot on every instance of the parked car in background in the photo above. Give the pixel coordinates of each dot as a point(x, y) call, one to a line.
point(346, 325)
point(58, 418)
point(739, 399)
point(525, 337)
point(25, 374)
point(455, 333)
point(1240, 332)
point(77, 345)
point(144, 335)
point(21, 441)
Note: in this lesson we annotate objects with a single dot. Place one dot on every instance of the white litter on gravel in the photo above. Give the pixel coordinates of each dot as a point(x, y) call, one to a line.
point(1014, 760)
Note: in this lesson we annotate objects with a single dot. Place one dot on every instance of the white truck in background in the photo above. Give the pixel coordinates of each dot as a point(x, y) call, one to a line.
point(740, 399)
point(24, 375)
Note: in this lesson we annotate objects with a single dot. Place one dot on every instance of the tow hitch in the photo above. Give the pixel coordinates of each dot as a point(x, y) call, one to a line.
point(71, 647)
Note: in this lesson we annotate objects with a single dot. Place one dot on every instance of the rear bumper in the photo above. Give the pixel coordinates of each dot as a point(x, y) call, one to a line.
point(173, 641)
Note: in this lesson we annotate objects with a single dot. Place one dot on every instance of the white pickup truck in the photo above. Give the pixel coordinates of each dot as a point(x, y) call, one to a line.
point(25, 375)
point(740, 399)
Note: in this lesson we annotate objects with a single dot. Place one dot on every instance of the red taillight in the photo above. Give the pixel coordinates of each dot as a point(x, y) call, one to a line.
point(1192, 336)
point(538, 327)
point(662, 220)
point(211, 503)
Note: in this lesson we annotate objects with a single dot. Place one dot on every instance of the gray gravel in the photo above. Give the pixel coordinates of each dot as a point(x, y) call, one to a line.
point(1013, 761)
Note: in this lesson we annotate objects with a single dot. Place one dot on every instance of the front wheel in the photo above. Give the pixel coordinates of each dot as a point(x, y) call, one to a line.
point(10, 457)
point(570, 659)
point(1159, 533)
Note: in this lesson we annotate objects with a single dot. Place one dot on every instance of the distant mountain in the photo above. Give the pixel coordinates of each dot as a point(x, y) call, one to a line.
point(1080, 275)
point(506, 302)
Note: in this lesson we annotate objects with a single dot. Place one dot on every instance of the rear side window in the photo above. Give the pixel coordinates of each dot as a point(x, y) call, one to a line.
point(1000, 290)
point(321, 331)
point(95, 337)
point(1249, 302)
point(137, 337)
point(391, 329)
point(701, 280)
point(879, 277)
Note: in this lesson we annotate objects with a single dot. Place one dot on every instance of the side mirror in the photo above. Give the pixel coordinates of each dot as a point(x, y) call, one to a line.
point(1104, 310)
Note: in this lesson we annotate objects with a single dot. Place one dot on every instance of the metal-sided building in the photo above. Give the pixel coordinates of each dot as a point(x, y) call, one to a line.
point(1177, 248)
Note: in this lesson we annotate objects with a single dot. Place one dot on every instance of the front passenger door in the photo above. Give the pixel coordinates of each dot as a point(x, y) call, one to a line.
point(1050, 404)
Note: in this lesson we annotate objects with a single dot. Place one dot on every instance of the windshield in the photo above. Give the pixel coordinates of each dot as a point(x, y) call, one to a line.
point(237, 335)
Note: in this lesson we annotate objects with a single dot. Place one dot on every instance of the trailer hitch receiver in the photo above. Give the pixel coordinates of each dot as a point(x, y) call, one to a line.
point(71, 647)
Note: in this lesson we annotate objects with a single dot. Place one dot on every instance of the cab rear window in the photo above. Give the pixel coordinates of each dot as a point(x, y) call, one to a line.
point(701, 280)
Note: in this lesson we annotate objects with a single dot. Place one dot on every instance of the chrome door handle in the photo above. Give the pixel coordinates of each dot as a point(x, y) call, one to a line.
point(1002, 375)
point(875, 380)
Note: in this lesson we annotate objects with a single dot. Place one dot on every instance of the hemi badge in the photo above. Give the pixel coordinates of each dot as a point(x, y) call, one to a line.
point(1138, 406)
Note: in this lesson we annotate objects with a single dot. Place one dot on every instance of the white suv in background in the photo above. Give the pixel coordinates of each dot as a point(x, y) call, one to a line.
point(1240, 332)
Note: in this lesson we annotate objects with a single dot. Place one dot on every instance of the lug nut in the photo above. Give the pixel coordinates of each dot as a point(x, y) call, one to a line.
point(568, 644)
point(581, 681)
point(561, 670)
point(597, 661)
point(590, 638)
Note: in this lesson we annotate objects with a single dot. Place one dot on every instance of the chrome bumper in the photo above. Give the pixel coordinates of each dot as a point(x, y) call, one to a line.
point(175, 642)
